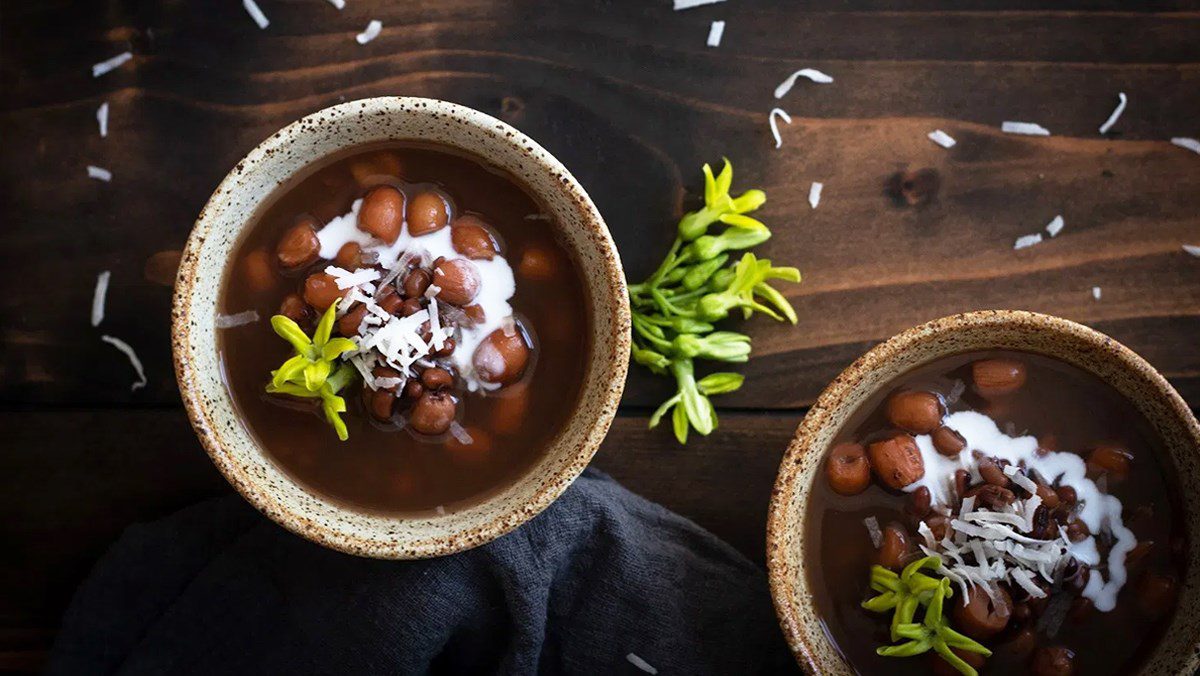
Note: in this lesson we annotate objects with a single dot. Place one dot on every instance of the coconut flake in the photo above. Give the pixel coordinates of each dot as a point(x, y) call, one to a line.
point(810, 73)
point(1055, 226)
point(239, 319)
point(715, 31)
point(1027, 240)
point(109, 65)
point(372, 31)
point(460, 434)
point(634, 659)
point(782, 114)
point(346, 279)
point(133, 359)
point(942, 138)
point(956, 392)
point(98, 297)
point(102, 119)
point(1096, 292)
point(1013, 472)
point(1025, 128)
point(99, 173)
point(814, 194)
point(1192, 249)
point(872, 525)
point(440, 510)
point(256, 13)
point(1116, 113)
point(688, 4)
point(1185, 142)
point(340, 4)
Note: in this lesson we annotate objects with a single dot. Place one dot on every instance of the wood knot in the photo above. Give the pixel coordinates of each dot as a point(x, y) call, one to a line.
point(914, 188)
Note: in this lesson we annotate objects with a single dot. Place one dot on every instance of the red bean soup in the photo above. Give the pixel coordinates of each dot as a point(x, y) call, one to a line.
point(401, 331)
point(996, 512)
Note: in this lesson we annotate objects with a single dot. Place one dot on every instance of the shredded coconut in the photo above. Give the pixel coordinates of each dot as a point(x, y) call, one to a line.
point(810, 73)
point(1096, 292)
point(1185, 142)
point(346, 279)
point(340, 4)
point(942, 138)
point(98, 297)
point(1027, 240)
point(1116, 113)
point(688, 4)
point(133, 359)
point(102, 119)
point(460, 434)
point(814, 194)
point(634, 659)
point(256, 13)
point(109, 65)
point(1026, 128)
point(872, 525)
point(239, 319)
point(1055, 226)
point(372, 31)
point(1192, 249)
point(782, 114)
point(99, 173)
point(715, 31)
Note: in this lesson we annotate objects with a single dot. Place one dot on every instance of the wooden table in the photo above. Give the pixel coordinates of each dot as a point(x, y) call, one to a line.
point(628, 96)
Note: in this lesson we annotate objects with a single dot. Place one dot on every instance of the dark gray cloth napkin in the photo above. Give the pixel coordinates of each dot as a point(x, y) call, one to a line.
point(600, 575)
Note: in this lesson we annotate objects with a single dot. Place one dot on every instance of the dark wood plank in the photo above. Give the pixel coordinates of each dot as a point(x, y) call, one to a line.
point(71, 481)
point(631, 100)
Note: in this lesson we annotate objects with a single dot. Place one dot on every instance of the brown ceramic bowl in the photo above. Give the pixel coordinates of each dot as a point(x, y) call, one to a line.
point(1179, 651)
point(231, 210)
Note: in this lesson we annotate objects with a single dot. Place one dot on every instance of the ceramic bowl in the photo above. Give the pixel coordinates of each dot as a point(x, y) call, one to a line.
point(1179, 651)
point(229, 213)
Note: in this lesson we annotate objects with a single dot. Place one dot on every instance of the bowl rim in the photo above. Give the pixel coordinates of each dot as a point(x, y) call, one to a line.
point(780, 571)
point(612, 372)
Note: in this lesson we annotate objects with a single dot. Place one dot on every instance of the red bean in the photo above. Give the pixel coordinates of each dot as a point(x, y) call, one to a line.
point(320, 290)
point(457, 280)
point(349, 323)
point(349, 257)
point(436, 378)
point(980, 617)
point(509, 409)
point(389, 299)
point(427, 212)
point(386, 372)
point(991, 473)
point(294, 308)
point(894, 547)
point(472, 238)
point(921, 502)
point(447, 348)
point(914, 411)
point(1067, 495)
point(998, 377)
point(411, 307)
point(1110, 459)
point(413, 389)
point(475, 313)
point(897, 461)
point(382, 213)
point(381, 404)
point(416, 282)
point(501, 357)
point(847, 469)
point(433, 413)
point(948, 442)
point(298, 246)
point(538, 263)
point(257, 270)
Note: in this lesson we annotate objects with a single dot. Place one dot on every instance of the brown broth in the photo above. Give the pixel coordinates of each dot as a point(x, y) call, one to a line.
point(1057, 399)
point(386, 469)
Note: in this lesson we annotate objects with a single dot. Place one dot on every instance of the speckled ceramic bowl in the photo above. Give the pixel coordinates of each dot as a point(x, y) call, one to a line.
point(1067, 341)
point(229, 212)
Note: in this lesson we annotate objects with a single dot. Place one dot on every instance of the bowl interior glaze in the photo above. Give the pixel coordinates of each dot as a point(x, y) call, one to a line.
point(1132, 376)
point(232, 209)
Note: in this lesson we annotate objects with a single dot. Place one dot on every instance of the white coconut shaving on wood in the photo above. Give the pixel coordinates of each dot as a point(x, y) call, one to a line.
point(782, 114)
point(1116, 113)
point(1192, 249)
point(99, 296)
point(634, 659)
point(810, 73)
point(1096, 292)
point(688, 4)
point(99, 173)
point(715, 31)
point(1026, 128)
point(1026, 241)
point(1055, 226)
point(372, 31)
point(256, 13)
point(942, 138)
point(133, 359)
point(814, 194)
point(102, 119)
point(1185, 142)
point(239, 319)
point(340, 4)
point(109, 65)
